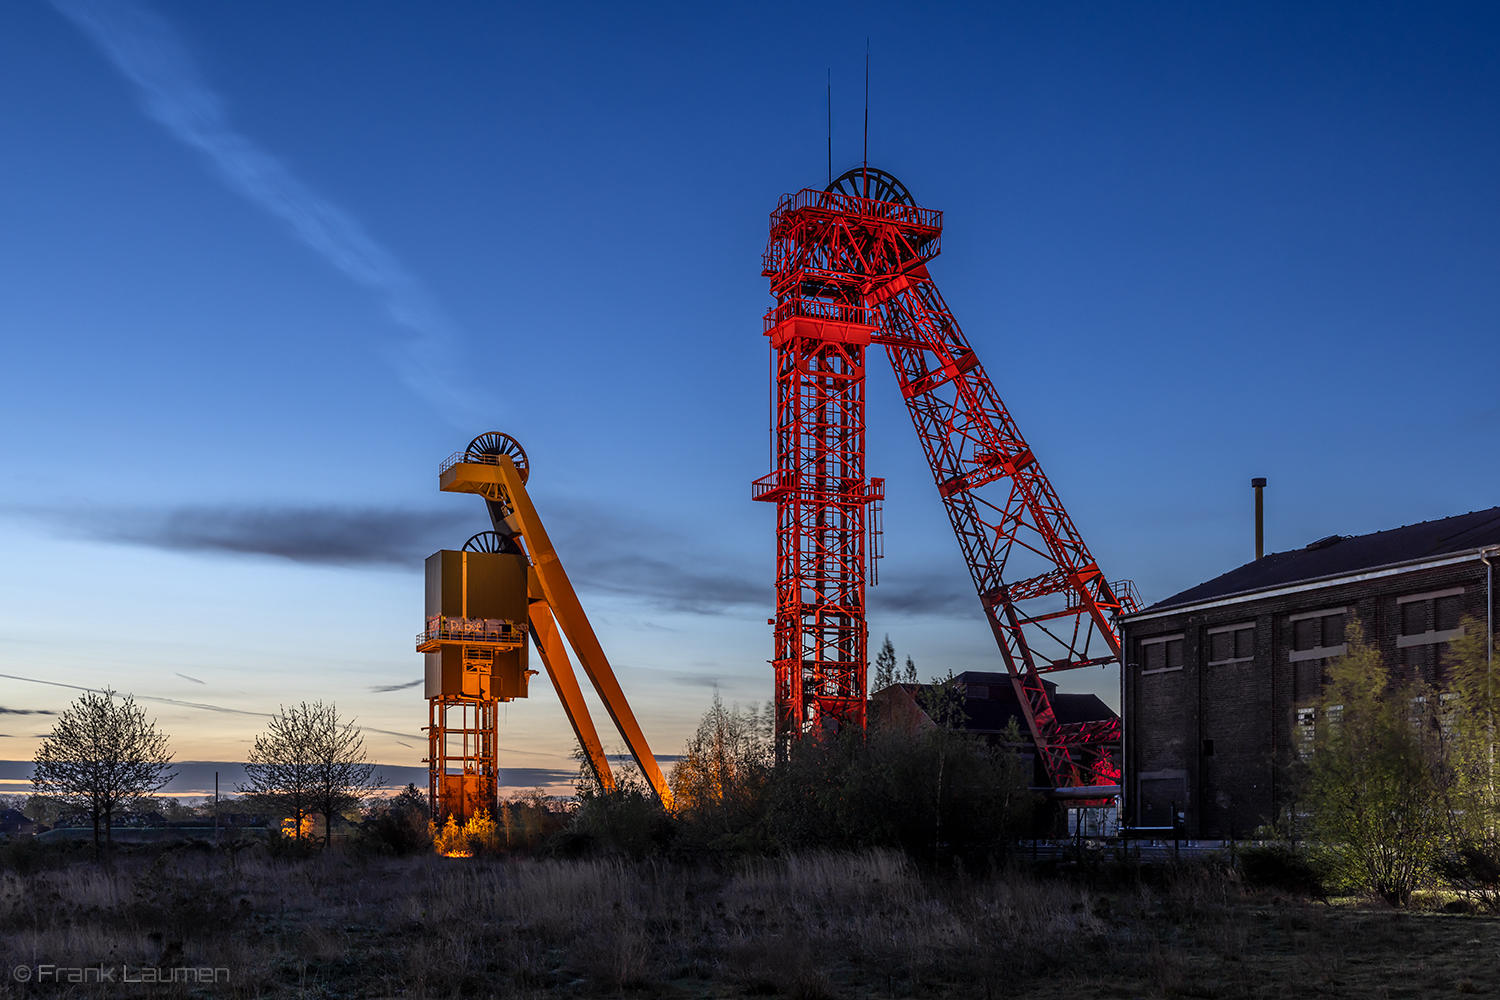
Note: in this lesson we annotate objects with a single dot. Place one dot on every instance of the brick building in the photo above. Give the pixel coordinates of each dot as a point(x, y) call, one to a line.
point(1218, 678)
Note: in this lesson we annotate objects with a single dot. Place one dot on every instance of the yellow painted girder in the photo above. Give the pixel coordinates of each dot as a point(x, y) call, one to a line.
point(555, 658)
point(502, 482)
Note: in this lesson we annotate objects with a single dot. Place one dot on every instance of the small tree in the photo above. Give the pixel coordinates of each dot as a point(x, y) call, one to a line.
point(1475, 725)
point(342, 774)
point(943, 701)
point(279, 770)
point(1377, 776)
point(885, 666)
point(401, 822)
point(723, 767)
point(100, 755)
point(1472, 717)
point(308, 760)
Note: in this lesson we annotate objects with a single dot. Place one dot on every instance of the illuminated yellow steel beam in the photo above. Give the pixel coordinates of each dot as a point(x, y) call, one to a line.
point(555, 658)
point(498, 479)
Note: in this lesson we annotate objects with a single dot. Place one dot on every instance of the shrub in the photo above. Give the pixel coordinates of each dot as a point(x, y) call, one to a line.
point(1473, 869)
point(628, 820)
point(399, 825)
point(1377, 778)
point(935, 794)
point(718, 786)
point(1281, 866)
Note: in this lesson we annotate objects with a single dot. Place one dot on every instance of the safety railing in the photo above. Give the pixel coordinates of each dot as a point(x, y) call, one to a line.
point(1127, 594)
point(840, 312)
point(477, 631)
point(467, 458)
point(773, 485)
point(848, 204)
point(784, 482)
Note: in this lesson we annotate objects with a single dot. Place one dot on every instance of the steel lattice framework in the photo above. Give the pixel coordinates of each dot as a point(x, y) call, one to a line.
point(848, 269)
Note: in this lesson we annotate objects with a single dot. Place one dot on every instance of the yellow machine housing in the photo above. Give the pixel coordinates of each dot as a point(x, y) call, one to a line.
point(475, 640)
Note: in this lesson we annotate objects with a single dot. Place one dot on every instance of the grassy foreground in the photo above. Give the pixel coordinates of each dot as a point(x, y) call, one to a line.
point(810, 927)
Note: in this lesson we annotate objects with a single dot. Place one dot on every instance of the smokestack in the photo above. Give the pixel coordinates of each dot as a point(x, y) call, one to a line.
point(1259, 483)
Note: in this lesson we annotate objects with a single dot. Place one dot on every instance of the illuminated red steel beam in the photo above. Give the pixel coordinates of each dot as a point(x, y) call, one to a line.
point(848, 268)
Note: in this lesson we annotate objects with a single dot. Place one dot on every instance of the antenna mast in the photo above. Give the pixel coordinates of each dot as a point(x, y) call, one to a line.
point(866, 165)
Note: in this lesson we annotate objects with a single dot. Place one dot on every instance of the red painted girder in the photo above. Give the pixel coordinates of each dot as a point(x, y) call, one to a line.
point(1078, 733)
point(971, 441)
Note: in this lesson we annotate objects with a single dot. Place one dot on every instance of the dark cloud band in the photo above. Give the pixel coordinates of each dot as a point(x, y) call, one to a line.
point(337, 536)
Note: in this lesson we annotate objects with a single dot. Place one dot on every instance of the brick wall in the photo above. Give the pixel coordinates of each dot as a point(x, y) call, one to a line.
point(1214, 726)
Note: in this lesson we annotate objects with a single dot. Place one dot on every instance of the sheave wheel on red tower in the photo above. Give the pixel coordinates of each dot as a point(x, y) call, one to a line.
point(497, 443)
point(872, 183)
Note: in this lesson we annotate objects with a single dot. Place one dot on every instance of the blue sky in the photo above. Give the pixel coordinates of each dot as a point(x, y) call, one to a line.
point(262, 266)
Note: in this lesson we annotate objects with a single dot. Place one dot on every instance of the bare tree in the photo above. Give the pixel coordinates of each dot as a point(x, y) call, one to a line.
point(308, 760)
point(101, 754)
point(280, 768)
point(342, 775)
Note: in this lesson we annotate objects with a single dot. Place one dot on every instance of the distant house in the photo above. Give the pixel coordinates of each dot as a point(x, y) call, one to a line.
point(990, 706)
point(1219, 680)
point(14, 822)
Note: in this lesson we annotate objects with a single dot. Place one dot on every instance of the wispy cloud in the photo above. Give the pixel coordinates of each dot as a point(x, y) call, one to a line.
point(187, 678)
point(387, 688)
point(925, 595)
point(149, 53)
point(338, 536)
point(532, 777)
point(138, 697)
point(202, 706)
point(606, 548)
point(25, 711)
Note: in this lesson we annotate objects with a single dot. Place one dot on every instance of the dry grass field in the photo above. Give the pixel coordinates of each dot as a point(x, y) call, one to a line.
point(808, 927)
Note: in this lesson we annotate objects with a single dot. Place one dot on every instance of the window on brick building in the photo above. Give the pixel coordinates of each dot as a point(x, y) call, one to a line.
point(1414, 618)
point(1319, 630)
point(1448, 709)
point(1317, 637)
point(1304, 730)
point(1438, 611)
point(1417, 663)
point(1446, 612)
point(1307, 679)
point(1161, 653)
point(1231, 644)
point(1428, 622)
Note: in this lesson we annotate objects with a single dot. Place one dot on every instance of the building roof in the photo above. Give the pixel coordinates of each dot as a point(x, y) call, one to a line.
point(1339, 556)
point(993, 712)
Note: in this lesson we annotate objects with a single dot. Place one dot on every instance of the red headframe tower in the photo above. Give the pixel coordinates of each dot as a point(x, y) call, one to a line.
point(848, 268)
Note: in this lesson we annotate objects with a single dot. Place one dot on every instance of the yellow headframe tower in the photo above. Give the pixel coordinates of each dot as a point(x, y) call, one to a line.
point(483, 603)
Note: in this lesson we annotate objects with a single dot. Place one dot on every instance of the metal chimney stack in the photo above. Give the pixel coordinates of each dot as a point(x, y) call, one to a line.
point(1259, 483)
